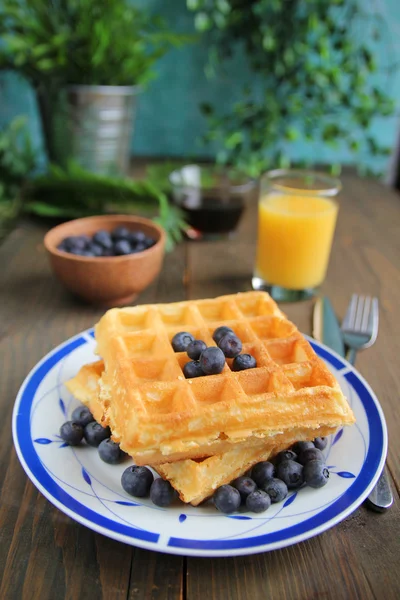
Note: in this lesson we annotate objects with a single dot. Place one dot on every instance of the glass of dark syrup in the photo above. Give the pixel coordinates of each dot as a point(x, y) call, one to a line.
point(213, 199)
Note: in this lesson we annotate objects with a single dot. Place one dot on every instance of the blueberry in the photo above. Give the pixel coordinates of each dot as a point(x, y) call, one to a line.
point(82, 415)
point(299, 447)
point(320, 442)
point(122, 247)
point(285, 455)
point(103, 239)
point(94, 433)
point(244, 486)
point(120, 233)
point(220, 332)
point(227, 499)
point(181, 341)
point(230, 345)
point(310, 454)
point(138, 248)
point(72, 433)
point(262, 472)
point(195, 348)
point(243, 362)
point(77, 242)
point(96, 249)
point(316, 474)
point(110, 452)
point(291, 473)
point(192, 369)
point(258, 501)
point(87, 253)
point(137, 237)
point(137, 481)
point(149, 242)
point(162, 493)
point(77, 251)
point(212, 361)
point(276, 489)
point(63, 247)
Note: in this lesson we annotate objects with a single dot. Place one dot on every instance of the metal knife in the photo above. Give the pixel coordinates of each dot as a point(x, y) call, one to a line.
point(326, 329)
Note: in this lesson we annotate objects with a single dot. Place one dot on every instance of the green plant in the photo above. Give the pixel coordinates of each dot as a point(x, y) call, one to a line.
point(17, 161)
point(17, 158)
point(74, 192)
point(93, 42)
point(312, 63)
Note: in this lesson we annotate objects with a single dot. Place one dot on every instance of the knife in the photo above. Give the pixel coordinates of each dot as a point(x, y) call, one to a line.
point(326, 328)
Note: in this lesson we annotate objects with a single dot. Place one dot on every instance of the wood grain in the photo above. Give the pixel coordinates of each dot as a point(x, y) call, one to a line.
point(43, 553)
point(46, 555)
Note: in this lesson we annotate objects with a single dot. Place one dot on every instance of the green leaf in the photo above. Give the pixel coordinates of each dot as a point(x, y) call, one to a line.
point(234, 140)
point(202, 21)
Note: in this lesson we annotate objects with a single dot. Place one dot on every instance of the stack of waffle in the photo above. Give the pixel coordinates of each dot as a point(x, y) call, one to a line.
point(201, 433)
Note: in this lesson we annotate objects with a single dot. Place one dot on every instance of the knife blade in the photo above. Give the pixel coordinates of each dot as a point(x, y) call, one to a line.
point(326, 328)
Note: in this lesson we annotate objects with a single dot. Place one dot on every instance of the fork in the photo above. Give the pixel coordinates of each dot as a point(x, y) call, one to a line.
point(360, 325)
point(360, 330)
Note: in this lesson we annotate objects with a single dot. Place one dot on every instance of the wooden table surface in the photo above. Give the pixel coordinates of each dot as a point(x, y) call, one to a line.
point(45, 554)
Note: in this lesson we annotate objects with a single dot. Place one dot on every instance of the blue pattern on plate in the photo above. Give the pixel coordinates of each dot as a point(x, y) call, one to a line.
point(290, 500)
point(62, 406)
point(337, 436)
point(34, 466)
point(345, 474)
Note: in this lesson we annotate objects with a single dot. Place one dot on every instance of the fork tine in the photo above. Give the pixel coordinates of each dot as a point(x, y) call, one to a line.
point(366, 323)
point(359, 313)
point(349, 318)
point(375, 321)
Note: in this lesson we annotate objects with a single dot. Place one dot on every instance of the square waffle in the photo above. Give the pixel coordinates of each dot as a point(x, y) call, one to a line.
point(158, 416)
point(194, 480)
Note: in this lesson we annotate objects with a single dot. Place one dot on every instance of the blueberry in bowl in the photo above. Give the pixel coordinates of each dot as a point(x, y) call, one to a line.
point(106, 260)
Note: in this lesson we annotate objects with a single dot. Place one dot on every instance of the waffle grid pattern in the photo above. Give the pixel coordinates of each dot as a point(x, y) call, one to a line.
point(285, 360)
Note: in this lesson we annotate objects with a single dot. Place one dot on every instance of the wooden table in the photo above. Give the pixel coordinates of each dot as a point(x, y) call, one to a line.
point(44, 554)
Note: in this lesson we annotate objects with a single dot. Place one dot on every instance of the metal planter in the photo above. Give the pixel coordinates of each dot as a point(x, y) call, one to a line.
point(93, 125)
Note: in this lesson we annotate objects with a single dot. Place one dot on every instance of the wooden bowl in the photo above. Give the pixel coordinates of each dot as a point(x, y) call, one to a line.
point(112, 280)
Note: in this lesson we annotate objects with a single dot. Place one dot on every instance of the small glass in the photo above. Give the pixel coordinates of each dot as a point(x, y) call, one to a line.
point(296, 222)
point(213, 199)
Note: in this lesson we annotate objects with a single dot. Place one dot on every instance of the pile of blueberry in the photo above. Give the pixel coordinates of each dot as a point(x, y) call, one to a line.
point(268, 483)
point(265, 484)
point(211, 360)
point(140, 482)
point(84, 427)
point(118, 242)
point(137, 481)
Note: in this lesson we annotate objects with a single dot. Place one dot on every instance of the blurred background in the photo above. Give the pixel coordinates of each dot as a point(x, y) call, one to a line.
point(255, 84)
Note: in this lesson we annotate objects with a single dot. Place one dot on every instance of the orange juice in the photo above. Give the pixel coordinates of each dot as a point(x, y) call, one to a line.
point(295, 236)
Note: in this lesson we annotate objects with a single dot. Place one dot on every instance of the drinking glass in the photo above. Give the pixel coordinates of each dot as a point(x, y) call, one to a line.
point(212, 199)
point(297, 214)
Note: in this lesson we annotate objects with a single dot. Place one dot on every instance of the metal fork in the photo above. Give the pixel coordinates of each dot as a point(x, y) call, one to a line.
point(360, 325)
point(360, 330)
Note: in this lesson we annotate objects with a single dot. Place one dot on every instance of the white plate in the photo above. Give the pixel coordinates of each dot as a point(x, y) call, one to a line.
point(77, 482)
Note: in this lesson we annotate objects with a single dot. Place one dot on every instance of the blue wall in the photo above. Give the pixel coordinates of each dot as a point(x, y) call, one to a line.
point(169, 122)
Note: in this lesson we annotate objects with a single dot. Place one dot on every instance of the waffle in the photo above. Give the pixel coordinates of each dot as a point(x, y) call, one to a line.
point(194, 480)
point(158, 416)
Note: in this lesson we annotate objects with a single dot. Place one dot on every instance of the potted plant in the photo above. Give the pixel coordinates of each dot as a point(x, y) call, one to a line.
point(313, 69)
point(17, 162)
point(86, 60)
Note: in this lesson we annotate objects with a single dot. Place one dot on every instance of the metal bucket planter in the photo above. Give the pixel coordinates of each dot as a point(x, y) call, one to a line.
point(93, 125)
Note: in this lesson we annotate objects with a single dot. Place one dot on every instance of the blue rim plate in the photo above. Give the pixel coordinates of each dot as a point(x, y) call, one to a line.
point(77, 482)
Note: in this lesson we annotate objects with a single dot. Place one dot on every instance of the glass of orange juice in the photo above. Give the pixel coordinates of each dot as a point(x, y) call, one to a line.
point(297, 214)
